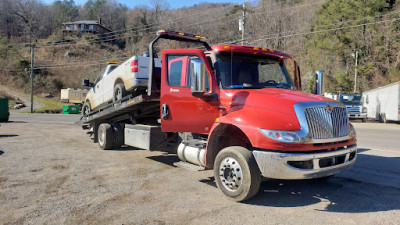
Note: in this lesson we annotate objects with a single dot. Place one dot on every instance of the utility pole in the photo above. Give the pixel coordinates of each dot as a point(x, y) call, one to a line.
point(32, 47)
point(244, 22)
point(32, 57)
point(355, 73)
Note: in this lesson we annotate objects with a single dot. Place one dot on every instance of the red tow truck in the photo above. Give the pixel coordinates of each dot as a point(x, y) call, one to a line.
point(235, 109)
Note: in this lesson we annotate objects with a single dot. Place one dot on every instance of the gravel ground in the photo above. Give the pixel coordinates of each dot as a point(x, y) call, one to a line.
point(51, 173)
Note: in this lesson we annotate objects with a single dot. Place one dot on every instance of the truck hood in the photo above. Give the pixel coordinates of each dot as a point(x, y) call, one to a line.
point(268, 108)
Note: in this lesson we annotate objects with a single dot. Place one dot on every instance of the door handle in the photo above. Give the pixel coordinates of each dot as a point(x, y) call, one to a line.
point(165, 112)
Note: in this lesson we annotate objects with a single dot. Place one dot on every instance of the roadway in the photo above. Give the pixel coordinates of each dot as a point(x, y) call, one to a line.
point(379, 154)
point(51, 173)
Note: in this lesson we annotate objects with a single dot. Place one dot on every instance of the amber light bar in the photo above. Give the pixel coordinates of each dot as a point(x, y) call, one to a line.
point(181, 35)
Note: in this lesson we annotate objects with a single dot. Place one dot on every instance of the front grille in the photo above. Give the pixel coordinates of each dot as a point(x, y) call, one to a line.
point(323, 124)
point(353, 110)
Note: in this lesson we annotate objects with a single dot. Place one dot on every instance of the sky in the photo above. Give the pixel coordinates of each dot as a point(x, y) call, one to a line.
point(174, 4)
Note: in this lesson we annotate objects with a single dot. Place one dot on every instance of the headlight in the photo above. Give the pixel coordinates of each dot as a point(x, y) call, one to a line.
point(352, 132)
point(282, 136)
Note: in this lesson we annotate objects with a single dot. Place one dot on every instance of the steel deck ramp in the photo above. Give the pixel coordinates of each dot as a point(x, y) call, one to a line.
point(123, 109)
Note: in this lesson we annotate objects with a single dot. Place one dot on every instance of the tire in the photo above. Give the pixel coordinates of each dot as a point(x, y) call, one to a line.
point(119, 92)
point(86, 109)
point(105, 136)
point(382, 118)
point(236, 173)
point(119, 135)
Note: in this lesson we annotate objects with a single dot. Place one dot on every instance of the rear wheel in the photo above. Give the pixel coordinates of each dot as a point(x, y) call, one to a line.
point(105, 136)
point(119, 135)
point(236, 173)
point(119, 92)
point(86, 109)
point(382, 118)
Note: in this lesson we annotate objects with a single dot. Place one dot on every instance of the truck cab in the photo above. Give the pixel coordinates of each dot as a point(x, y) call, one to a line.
point(245, 98)
point(354, 104)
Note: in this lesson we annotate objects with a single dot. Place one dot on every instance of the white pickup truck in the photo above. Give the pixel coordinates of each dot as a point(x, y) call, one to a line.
point(116, 81)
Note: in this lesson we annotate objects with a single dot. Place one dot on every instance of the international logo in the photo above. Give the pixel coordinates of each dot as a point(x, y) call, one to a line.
point(329, 108)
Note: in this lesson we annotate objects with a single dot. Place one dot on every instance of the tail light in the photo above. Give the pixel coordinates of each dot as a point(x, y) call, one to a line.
point(134, 65)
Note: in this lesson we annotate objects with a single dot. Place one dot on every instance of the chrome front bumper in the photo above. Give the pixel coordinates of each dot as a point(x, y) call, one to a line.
point(358, 116)
point(294, 166)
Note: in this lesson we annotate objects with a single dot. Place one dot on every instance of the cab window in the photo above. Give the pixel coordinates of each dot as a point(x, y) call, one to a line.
point(195, 60)
point(180, 69)
point(175, 73)
point(100, 76)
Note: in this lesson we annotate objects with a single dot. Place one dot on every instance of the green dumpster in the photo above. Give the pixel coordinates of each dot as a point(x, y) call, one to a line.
point(4, 113)
point(70, 109)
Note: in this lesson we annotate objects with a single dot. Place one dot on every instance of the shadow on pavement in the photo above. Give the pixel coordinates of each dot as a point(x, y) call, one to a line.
point(359, 150)
point(15, 122)
point(1, 152)
point(8, 135)
point(371, 185)
point(126, 148)
point(210, 181)
point(165, 159)
point(339, 195)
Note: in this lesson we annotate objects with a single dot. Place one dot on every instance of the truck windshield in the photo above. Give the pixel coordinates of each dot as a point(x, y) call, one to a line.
point(245, 71)
point(351, 98)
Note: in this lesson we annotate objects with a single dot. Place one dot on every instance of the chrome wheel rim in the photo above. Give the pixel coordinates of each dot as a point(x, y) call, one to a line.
point(118, 94)
point(86, 110)
point(230, 174)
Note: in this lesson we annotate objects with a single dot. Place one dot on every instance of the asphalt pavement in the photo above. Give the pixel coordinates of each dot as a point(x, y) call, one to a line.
point(52, 173)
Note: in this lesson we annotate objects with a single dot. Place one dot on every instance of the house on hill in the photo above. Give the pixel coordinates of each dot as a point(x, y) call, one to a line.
point(87, 26)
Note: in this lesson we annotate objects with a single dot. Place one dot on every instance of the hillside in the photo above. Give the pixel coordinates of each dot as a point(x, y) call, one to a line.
point(320, 35)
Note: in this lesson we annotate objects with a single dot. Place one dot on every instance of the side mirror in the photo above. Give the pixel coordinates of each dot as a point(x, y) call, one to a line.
point(86, 83)
point(198, 77)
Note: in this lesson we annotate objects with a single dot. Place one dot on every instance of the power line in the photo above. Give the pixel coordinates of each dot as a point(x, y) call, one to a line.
point(131, 32)
point(280, 35)
point(141, 28)
point(328, 30)
point(276, 35)
point(289, 8)
point(267, 38)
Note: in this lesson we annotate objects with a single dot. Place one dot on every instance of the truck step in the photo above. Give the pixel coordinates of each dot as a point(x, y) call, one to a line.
point(90, 131)
point(189, 166)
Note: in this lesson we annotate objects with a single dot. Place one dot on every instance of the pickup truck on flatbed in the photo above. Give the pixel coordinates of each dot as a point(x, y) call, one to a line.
point(118, 80)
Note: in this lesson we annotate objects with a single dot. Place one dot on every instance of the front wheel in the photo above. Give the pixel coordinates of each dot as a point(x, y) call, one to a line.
point(236, 173)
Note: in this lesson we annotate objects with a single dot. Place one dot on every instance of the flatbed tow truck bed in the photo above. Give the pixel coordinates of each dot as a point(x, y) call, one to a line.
point(126, 108)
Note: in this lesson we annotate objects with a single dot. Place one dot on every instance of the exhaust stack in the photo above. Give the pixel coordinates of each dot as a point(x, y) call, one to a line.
point(319, 82)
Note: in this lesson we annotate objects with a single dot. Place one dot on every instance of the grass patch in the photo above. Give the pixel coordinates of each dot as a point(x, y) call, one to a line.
point(50, 105)
point(11, 100)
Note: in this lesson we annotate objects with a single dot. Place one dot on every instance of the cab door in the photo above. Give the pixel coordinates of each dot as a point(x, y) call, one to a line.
point(180, 110)
point(98, 90)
